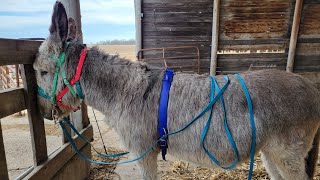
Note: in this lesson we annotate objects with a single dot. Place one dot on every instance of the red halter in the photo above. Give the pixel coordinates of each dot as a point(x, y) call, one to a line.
point(73, 80)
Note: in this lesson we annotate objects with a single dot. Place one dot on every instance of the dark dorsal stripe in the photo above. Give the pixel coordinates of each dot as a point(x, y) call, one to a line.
point(153, 78)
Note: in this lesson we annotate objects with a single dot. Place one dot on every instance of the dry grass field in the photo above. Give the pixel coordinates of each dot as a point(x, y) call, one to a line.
point(125, 51)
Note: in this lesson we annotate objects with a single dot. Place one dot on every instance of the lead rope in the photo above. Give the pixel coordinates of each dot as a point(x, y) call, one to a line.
point(94, 114)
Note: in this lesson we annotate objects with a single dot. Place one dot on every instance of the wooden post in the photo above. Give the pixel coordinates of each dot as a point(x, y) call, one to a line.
point(138, 16)
point(73, 10)
point(215, 38)
point(18, 81)
point(17, 75)
point(294, 35)
point(38, 135)
point(85, 118)
point(1, 83)
point(3, 161)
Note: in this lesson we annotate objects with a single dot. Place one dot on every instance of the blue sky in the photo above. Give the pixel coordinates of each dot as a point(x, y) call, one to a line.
point(101, 19)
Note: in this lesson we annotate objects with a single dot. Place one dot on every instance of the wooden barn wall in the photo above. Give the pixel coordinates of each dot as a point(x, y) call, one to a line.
point(252, 33)
point(171, 23)
point(260, 27)
point(308, 48)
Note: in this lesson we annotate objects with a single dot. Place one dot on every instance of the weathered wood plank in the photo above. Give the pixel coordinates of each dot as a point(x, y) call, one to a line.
point(12, 101)
point(3, 162)
point(38, 136)
point(57, 160)
point(13, 51)
point(19, 45)
point(255, 55)
point(308, 48)
point(253, 48)
point(16, 57)
point(310, 22)
point(76, 168)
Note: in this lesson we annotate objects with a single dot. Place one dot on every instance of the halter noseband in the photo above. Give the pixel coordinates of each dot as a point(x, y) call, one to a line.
point(56, 100)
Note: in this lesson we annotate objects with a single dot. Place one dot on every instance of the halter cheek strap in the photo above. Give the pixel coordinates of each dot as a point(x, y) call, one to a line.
point(75, 79)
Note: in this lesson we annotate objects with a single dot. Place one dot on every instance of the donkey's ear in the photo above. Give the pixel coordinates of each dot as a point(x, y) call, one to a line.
point(72, 34)
point(59, 22)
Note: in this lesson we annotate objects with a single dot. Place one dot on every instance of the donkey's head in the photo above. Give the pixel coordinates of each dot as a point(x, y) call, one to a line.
point(45, 64)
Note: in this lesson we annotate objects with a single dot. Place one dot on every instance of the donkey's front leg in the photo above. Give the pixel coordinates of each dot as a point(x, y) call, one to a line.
point(148, 165)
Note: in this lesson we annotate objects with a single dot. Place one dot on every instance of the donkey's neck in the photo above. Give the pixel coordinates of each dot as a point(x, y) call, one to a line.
point(118, 87)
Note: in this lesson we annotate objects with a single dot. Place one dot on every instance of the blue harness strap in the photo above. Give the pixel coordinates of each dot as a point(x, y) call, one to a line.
point(163, 111)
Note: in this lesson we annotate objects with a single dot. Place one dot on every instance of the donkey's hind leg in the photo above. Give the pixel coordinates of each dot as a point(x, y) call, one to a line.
point(289, 151)
point(267, 160)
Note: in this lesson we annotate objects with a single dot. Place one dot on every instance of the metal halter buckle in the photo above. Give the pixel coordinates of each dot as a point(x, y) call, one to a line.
point(55, 118)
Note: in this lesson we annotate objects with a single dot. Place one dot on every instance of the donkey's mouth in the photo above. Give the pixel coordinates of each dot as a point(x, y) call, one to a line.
point(56, 113)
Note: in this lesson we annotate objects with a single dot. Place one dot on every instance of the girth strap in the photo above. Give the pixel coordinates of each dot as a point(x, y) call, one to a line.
point(163, 109)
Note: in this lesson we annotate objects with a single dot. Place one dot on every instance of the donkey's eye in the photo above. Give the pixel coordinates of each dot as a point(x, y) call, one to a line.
point(43, 73)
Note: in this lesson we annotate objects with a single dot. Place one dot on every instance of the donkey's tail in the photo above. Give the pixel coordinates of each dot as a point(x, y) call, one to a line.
point(312, 159)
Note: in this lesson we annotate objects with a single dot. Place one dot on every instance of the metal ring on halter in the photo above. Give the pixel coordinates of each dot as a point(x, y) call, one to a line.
point(55, 111)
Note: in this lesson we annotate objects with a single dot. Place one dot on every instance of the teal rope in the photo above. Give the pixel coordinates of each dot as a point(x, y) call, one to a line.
point(85, 140)
point(42, 93)
point(253, 126)
point(214, 85)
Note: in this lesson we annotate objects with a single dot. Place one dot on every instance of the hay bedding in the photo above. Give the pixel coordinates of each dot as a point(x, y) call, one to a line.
point(182, 171)
point(102, 172)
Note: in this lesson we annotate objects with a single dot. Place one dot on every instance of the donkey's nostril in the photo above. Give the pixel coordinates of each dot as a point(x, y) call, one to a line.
point(43, 73)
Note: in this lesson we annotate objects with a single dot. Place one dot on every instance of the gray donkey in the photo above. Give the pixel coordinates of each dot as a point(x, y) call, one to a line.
point(286, 108)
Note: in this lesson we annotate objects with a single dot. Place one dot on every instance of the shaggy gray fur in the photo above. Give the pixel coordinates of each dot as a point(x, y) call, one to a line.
point(286, 109)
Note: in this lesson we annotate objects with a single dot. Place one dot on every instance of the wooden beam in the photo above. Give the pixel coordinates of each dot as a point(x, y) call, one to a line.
point(294, 35)
point(16, 57)
point(3, 162)
point(138, 16)
point(12, 101)
point(215, 37)
point(38, 136)
point(13, 51)
point(19, 45)
point(57, 160)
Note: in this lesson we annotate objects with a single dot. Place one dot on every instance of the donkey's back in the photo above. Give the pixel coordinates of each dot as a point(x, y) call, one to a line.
point(286, 111)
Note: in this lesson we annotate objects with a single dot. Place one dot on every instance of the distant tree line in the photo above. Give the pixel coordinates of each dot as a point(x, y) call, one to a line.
point(118, 42)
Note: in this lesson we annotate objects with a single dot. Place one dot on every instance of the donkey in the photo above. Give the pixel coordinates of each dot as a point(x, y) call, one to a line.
point(286, 108)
